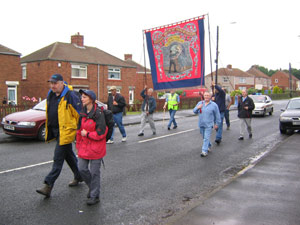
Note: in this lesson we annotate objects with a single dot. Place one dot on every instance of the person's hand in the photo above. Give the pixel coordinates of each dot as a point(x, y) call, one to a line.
point(200, 106)
point(83, 133)
point(115, 103)
point(164, 107)
point(216, 127)
point(246, 107)
point(213, 83)
point(145, 86)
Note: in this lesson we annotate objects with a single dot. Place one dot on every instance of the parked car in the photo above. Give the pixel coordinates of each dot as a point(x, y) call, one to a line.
point(263, 105)
point(29, 123)
point(290, 118)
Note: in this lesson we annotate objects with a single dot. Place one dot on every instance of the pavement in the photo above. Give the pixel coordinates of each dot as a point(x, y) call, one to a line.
point(265, 193)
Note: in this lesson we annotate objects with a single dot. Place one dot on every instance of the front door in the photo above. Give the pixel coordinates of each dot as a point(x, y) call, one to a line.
point(131, 96)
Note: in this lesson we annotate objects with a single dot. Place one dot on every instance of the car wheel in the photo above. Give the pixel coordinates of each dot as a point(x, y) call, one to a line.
point(282, 130)
point(271, 112)
point(264, 113)
point(42, 133)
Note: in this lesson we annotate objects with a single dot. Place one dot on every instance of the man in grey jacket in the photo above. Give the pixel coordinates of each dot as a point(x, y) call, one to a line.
point(148, 108)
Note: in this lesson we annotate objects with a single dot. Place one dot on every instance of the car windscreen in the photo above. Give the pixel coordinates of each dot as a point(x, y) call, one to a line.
point(41, 106)
point(294, 104)
point(259, 98)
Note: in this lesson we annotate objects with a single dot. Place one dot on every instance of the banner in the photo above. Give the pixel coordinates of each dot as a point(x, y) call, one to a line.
point(176, 54)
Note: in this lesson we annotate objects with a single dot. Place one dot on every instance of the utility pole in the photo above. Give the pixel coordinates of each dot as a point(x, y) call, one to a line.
point(217, 56)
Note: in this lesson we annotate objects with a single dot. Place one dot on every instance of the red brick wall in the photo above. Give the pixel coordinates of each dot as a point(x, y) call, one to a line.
point(10, 70)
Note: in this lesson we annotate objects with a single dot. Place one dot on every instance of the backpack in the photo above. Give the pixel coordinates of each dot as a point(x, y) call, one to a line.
point(109, 120)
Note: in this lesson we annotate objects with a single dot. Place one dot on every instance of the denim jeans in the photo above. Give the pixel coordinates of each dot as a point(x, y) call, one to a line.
point(220, 127)
point(226, 116)
point(91, 176)
point(206, 132)
point(118, 120)
point(172, 118)
point(61, 153)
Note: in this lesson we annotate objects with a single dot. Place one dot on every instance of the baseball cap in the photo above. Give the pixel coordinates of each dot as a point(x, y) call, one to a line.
point(55, 78)
point(113, 88)
point(89, 93)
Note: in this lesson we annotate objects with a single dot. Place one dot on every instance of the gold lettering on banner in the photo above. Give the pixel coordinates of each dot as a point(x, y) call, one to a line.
point(175, 29)
point(175, 38)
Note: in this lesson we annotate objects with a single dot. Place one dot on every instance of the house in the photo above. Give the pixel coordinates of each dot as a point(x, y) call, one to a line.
point(143, 77)
point(262, 81)
point(82, 66)
point(282, 80)
point(10, 75)
point(231, 79)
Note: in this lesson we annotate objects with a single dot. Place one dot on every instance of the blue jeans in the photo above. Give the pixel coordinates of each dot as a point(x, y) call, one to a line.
point(172, 118)
point(226, 115)
point(220, 127)
point(206, 132)
point(61, 153)
point(118, 120)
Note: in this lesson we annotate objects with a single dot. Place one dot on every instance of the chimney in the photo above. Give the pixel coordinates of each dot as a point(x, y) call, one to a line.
point(229, 66)
point(127, 57)
point(77, 39)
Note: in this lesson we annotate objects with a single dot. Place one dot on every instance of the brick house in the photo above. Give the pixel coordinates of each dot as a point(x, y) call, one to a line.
point(231, 79)
point(281, 79)
point(82, 66)
point(262, 81)
point(141, 79)
point(10, 75)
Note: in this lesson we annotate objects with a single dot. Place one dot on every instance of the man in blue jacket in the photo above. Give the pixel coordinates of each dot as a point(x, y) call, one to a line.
point(148, 108)
point(220, 101)
point(209, 118)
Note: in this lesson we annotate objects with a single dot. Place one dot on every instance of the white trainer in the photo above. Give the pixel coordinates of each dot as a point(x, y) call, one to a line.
point(110, 142)
point(124, 139)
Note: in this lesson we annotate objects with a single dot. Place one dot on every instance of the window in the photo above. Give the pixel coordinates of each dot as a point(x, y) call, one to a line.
point(12, 95)
point(131, 96)
point(79, 71)
point(225, 79)
point(276, 81)
point(24, 72)
point(242, 80)
point(114, 73)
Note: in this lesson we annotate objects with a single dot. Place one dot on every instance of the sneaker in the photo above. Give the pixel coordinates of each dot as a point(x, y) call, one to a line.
point(174, 127)
point(250, 135)
point(218, 141)
point(203, 154)
point(125, 138)
point(110, 142)
point(209, 149)
point(241, 138)
point(141, 134)
point(92, 201)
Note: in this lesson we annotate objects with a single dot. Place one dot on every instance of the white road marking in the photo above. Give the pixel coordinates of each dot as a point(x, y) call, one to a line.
point(25, 167)
point(168, 135)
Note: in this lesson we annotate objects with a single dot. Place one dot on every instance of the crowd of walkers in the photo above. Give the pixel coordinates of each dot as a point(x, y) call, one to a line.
point(69, 115)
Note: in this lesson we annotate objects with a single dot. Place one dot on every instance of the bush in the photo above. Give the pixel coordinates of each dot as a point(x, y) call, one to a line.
point(251, 91)
point(276, 90)
point(235, 92)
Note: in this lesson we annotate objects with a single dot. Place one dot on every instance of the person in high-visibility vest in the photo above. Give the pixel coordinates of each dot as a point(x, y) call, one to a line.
point(172, 101)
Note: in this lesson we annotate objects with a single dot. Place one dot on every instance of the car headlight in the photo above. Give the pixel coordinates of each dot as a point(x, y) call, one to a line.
point(284, 118)
point(28, 124)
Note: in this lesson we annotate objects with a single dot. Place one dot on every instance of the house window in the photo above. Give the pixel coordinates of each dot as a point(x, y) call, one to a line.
point(79, 71)
point(114, 73)
point(276, 81)
point(225, 79)
point(24, 72)
point(242, 80)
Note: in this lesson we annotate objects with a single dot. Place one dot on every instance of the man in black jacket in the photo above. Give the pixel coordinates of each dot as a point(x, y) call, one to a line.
point(245, 107)
point(116, 103)
point(148, 108)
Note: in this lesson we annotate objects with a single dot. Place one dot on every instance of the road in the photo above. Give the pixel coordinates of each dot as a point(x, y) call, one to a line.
point(147, 180)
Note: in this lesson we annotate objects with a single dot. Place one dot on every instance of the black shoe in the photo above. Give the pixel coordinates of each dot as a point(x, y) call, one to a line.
point(92, 201)
point(89, 194)
point(174, 127)
point(218, 141)
point(169, 128)
point(241, 138)
point(141, 134)
point(154, 133)
point(250, 135)
point(75, 183)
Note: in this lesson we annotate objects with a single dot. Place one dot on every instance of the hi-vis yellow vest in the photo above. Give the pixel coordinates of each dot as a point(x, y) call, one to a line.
point(172, 100)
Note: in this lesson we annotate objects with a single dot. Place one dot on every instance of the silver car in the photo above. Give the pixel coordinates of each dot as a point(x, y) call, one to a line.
point(263, 105)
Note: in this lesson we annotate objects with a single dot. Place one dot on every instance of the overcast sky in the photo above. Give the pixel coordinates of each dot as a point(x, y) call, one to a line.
point(260, 32)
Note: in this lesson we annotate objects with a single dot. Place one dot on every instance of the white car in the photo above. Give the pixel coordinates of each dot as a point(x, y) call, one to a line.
point(263, 105)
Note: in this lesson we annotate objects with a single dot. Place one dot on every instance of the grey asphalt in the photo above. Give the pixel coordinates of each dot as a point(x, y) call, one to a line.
point(267, 193)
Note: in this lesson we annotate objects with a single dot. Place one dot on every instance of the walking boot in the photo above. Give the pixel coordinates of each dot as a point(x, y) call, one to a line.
point(74, 183)
point(46, 190)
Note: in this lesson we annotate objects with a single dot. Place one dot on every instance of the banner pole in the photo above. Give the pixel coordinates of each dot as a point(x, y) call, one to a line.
point(211, 72)
point(145, 75)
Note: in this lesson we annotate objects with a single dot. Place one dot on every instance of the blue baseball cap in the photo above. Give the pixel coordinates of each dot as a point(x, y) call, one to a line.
point(55, 78)
point(89, 93)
